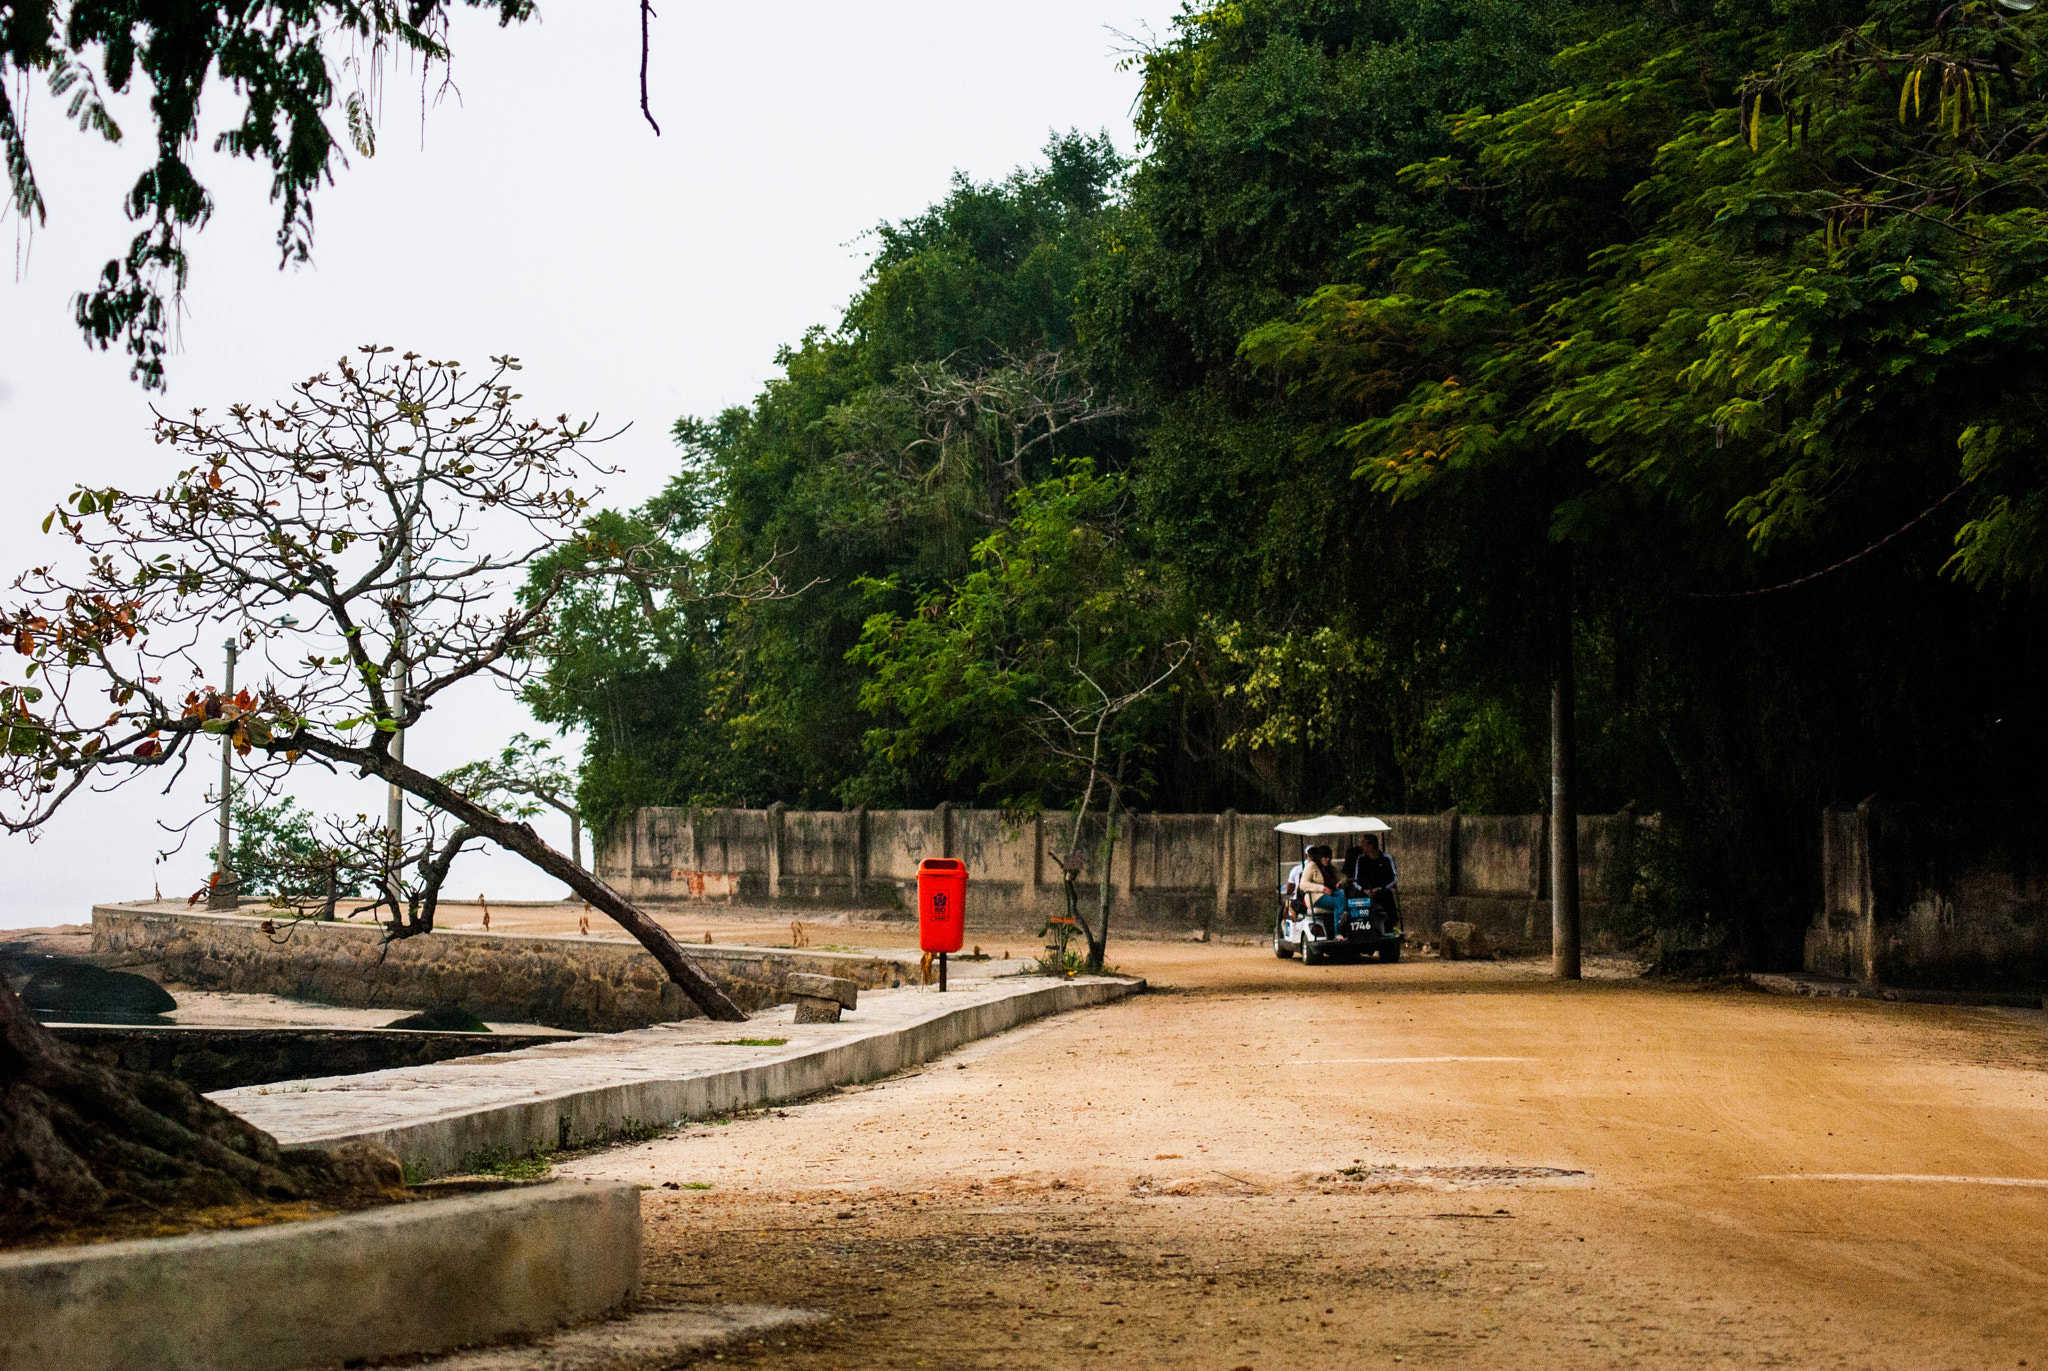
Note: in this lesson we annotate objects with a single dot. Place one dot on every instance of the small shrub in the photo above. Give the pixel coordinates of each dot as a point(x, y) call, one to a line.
point(498, 1161)
point(1058, 961)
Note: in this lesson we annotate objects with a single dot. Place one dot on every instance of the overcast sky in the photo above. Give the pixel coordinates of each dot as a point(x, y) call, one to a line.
point(637, 277)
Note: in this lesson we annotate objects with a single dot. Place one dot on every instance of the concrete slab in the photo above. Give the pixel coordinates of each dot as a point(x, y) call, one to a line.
point(228, 1009)
point(441, 1273)
point(645, 1339)
point(436, 1117)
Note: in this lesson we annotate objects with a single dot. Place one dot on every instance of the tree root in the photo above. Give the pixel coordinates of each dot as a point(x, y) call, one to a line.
point(80, 1141)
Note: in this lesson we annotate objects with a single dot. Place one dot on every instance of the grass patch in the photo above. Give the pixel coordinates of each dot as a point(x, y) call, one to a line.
point(1053, 962)
point(749, 1042)
point(498, 1161)
point(628, 1131)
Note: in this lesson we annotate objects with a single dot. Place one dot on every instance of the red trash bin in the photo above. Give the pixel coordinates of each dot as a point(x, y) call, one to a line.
point(941, 904)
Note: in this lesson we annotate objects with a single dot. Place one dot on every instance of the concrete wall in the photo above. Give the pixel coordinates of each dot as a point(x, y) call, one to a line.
point(1932, 897)
point(210, 1058)
point(1169, 872)
point(590, 984)
point(382, 1283)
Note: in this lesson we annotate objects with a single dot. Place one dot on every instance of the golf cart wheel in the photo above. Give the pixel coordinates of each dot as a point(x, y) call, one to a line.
point(1391, 952)
point(1309, 955)
point(1280, 949)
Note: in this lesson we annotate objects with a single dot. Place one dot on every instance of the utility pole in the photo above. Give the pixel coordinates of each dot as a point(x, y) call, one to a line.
point(394, 804)
point(225, 890)
point(1564, 806)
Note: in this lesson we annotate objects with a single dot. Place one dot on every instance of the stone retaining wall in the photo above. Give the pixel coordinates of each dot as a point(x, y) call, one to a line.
point(587, 984)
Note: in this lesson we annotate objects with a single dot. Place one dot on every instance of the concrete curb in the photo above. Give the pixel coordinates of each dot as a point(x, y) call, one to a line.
point(438, 1144)
point(408, 1278)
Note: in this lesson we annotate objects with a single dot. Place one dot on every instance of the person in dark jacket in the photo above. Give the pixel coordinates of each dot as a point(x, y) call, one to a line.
point(1372, 871)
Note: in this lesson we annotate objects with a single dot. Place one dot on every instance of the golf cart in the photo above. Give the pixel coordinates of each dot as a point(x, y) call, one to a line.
point(1343, 923)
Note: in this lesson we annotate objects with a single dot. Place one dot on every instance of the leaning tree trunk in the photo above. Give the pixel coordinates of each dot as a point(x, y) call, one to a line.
point(80, 1141)
point(521, 839)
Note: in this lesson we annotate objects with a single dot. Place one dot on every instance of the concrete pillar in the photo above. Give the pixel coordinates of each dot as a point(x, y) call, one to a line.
point(1130, 841)
point(1452, 855)
point(1866, 897)
point(860, 851)
point(1036, 837)
point(775, 812)
point(1226, 863)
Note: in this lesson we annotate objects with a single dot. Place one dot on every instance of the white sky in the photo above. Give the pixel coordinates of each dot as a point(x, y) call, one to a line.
point(638, 277)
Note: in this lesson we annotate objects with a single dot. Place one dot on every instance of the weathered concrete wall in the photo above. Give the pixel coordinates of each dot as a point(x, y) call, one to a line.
point(389, 1282)
point(1170, 872)
point(225, 1058)
point(588, 984)
point(1918, 896)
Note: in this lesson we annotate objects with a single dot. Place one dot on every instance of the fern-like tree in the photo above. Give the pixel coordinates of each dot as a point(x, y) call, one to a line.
point(525, 777)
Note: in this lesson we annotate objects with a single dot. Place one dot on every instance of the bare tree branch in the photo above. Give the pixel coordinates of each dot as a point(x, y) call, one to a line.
point(379, 539)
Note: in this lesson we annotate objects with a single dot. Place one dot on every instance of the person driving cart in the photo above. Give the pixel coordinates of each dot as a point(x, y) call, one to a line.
point(1371, 870)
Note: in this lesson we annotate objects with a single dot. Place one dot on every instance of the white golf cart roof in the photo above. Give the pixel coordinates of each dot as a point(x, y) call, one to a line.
point(1328, 825)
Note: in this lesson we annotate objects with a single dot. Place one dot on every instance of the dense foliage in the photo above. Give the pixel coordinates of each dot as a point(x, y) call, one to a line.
point(278, 850)
point(1715, 324)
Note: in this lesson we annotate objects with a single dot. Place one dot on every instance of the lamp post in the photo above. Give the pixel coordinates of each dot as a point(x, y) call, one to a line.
point(225, 890)
point(394, 801)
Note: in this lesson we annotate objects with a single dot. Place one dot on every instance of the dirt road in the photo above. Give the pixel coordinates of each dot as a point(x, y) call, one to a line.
point(1200, 1178)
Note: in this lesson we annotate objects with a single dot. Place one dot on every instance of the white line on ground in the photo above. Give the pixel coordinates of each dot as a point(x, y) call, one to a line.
point(1923, 1180)
point(1391, 1061)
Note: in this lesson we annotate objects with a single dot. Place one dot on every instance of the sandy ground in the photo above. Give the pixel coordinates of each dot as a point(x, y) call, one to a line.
point(1195, 1178)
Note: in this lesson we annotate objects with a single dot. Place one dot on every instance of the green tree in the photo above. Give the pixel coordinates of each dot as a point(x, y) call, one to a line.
point(1787, 310)
point(1040, 673)
point(1274, 134)
point(525, 777)
point(279, 850)
point(886, 449)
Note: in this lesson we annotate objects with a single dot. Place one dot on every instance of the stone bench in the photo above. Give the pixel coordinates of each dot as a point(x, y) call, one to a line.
point(820, 999)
